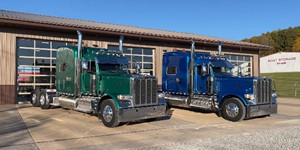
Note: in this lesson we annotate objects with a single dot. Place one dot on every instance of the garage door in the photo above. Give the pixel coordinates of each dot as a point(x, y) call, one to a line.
point(36, 60)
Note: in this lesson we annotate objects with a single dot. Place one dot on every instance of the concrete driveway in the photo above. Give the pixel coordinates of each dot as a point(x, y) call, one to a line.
point(26, 127)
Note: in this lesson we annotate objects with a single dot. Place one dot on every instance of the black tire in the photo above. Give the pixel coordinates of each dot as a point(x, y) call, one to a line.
point(44, 100)
point(108, 113)
point(35, 97)
point(233, 110)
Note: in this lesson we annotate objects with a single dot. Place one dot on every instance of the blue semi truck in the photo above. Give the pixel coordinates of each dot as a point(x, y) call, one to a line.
point(205, 81)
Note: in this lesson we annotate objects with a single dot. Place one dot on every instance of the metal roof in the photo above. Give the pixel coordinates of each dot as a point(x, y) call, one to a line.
point(118, 29)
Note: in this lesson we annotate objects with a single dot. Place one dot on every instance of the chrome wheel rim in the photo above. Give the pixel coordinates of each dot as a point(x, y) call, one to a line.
point(42, 100)
point(232, 110)
point(33, 99)
point(107, 113)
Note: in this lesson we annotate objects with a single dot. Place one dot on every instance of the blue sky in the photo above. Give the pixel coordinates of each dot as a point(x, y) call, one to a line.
point(230, 19)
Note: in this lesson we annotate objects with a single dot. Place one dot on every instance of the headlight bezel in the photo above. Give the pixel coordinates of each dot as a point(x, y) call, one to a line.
point(122, 97)
point(250, 98)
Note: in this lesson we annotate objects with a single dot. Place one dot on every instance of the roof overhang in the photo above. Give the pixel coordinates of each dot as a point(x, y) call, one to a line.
point(133, 34)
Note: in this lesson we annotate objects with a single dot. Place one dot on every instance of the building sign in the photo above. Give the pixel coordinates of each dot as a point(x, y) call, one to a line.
point(280, 62)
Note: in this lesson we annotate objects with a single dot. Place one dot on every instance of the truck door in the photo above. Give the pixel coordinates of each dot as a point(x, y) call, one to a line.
point(87, 78)
point(200, 80)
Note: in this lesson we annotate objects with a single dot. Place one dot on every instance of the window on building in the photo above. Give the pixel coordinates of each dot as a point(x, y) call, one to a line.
point(143, 56)
point(36, 63)
point(239, 60)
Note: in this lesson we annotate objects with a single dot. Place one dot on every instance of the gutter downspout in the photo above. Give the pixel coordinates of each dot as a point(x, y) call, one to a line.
point(121, 43)
point(78, 63)
point(219, 48)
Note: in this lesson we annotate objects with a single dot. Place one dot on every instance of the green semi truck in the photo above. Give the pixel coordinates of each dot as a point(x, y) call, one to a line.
point(95, 80)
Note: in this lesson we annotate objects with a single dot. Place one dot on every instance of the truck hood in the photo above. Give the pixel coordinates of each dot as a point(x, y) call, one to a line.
point(234, 85)
point(118, 84)
point(115, 84)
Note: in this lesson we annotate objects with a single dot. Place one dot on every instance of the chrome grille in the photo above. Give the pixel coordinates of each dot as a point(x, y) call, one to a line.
point(144, 91)
point(263, 90)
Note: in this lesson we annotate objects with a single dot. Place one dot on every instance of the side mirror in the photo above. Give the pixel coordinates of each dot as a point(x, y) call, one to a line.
point(137, 68)
point(240, 71)
point(84, 66)
point(204, 70)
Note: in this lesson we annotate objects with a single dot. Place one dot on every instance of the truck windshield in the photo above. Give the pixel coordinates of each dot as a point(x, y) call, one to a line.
point(113, 67)
point(222, 71)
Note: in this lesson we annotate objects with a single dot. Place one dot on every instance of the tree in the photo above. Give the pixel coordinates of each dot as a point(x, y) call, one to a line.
point(279, 40)
point(296, 46)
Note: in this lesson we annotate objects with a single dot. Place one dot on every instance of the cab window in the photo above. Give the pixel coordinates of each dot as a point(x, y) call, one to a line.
point(172, 70)
point(63, 67)
point(92, 67)
point(199, 68)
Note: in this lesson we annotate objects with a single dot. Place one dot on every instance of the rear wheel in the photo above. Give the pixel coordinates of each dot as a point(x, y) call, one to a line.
point(108, 113)
point(233, 110)
point(44, 100)
point(35, 95)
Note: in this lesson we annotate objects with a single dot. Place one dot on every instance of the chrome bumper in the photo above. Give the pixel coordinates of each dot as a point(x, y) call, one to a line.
point(261, 110)
point(134, 114)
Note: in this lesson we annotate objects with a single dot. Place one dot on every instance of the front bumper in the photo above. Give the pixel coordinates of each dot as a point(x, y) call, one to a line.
point(139, 113)
point(261, 110)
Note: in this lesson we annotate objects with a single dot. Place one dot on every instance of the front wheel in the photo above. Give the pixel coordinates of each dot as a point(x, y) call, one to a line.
point(108, 113)
point(233, 110)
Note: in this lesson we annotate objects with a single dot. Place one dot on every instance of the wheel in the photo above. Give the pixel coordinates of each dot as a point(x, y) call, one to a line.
point(35, 95)
point(44, 100)
point(108, 113)
point(233, 110)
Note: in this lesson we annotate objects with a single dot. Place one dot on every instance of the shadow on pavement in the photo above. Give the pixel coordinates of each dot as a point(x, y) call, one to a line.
point(14, 133)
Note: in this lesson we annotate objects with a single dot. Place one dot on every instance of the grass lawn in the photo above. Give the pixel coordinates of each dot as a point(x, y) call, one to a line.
point(287, 84)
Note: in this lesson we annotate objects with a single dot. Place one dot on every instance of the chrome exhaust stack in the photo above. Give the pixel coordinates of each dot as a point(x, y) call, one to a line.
point(192, 69)
point(78, 63)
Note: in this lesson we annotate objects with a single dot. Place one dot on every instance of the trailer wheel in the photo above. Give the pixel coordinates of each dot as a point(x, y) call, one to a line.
point(44, 100)
point(233, 110)
point(108, 113)
point(35, 97)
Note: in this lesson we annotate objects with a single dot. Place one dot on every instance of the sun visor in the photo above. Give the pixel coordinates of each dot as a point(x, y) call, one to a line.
point(112, 60)
point(222, 64)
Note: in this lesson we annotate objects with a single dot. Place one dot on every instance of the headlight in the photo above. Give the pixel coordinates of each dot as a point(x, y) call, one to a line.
point(124, 97)
point(250, 98)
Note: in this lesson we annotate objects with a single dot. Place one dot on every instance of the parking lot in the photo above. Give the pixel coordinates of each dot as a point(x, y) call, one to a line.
point(26, 127)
